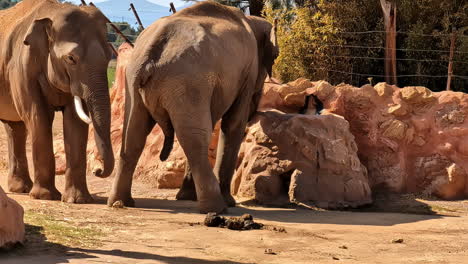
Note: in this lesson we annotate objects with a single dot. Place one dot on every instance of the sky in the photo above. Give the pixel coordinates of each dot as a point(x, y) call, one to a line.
point(148, 10)
point(177, 3)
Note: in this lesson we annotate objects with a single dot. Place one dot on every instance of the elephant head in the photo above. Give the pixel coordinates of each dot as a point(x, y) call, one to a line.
point(267, 43)
point(71, 47)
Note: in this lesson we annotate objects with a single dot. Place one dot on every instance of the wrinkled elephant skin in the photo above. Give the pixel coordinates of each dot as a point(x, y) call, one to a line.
point(51, 53)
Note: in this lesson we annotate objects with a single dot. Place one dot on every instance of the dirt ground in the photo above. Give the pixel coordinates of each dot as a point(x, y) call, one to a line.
point(397, 229)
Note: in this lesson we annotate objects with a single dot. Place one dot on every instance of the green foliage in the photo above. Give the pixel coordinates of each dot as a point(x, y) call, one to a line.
point(314, 42)
point(110, 76)
point(126, 29)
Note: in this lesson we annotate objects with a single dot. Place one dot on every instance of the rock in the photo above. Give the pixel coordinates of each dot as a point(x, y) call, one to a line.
point(11, 222)
point(397, 241)
point(397, 110)
point(287, 98)
point(409, 139)
point(324, 89)
point(383, 89)
point(447, 181)
point(393, 129)
point(417, 95)
point(301, 158)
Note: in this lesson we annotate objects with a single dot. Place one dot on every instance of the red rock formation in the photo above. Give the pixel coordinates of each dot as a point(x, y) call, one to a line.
point(410, 139)
point(301, 158)
point(11, 221)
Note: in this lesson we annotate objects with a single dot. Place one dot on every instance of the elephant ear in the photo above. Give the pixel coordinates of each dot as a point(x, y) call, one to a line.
point(38, 35)
point(270, 50)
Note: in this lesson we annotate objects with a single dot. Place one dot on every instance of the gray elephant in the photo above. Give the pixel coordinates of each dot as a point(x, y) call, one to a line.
point(187, 71)
point(53, 57)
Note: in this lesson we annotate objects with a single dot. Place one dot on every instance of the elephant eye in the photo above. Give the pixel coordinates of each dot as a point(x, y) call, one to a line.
point(70, 59)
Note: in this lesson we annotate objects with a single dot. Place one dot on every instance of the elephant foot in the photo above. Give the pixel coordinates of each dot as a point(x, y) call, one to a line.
point(19, 185)
point(230, 201)
point(74, 195)
point(42, 193)
point(213, 206)
point(187, 194)
point(115, 200)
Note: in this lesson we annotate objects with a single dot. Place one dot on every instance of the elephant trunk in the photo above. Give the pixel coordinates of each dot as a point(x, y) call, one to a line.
point(98, 102)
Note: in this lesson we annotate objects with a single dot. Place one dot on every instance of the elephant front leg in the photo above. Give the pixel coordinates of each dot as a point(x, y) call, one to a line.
point(40, 128)
point(18, 174)
point(75, 140)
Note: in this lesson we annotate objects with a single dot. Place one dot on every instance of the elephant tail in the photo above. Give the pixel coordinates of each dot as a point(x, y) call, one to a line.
point(143, 76)
point(168, 131)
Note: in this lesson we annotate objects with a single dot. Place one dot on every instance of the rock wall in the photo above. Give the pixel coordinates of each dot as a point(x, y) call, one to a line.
point(11, 221)
point(410, 139)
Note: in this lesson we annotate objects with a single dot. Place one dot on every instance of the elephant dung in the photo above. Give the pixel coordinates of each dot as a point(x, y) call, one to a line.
point(301, 158)
point(245, 222)
point(11, 222)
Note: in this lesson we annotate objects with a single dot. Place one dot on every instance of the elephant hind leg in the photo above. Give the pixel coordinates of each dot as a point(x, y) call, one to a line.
point(138, 123)
point(194, 136)
point(18, 174)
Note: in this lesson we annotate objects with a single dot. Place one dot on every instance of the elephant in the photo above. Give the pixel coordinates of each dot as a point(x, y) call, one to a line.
point(54, 57)
point(206, 63)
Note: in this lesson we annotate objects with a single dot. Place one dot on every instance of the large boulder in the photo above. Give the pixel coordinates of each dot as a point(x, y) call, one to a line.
point(301, 158)
point(11, 221)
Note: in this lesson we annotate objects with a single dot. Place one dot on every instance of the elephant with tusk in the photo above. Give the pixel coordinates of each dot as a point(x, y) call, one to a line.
point(187, 71)
point(54, 57)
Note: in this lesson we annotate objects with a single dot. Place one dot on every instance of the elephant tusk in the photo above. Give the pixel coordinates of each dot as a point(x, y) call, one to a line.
point(79, 110)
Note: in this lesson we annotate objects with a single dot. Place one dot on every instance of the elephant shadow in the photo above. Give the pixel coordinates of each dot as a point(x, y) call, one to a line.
point(387, 210)
point(37, 249)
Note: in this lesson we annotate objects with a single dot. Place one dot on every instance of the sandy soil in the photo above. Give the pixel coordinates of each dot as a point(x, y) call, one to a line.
point(162, 230)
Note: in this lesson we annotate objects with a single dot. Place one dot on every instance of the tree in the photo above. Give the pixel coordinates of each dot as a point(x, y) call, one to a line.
point(126, 29)
point(255, 6)
point(317, 40)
